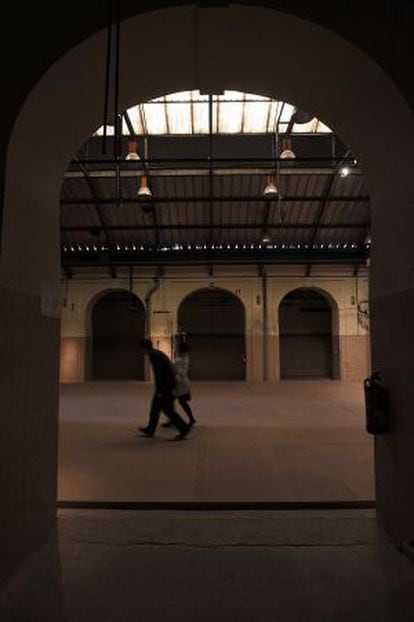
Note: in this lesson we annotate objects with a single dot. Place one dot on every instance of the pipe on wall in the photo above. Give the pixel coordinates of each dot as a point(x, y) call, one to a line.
point(265, 325)
point(148, 300)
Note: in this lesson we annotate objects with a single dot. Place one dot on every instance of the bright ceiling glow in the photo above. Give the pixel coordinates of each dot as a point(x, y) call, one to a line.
point(187, 113)
point(230, 113)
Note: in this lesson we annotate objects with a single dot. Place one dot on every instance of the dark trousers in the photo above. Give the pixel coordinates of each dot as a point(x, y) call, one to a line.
point(183, 401)
point(165, 403)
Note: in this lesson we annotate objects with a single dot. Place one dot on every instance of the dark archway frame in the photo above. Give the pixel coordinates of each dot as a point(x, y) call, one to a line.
point(240, 47)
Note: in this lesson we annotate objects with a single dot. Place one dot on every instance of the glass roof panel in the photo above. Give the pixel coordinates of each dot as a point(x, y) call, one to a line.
point(255, 117)
point(136, 121)
point(155, 118)
point(286, 112)
point(187, 113)
point(230, 113)
point(274, 111)
point(321, 127)
point(179, 112)
point(253, 96)
point(200, 114)
point(109, 130)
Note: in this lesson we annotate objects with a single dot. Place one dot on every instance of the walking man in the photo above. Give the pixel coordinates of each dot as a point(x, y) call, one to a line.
point(163, 399)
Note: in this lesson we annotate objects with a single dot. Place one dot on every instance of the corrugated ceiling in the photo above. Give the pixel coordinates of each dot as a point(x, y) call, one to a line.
point(215, 204)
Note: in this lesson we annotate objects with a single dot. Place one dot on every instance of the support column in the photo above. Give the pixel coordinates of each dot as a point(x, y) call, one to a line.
point(254, 338)
point(75, 343)
point(273, 339)
point(265, 325)
point(354, 344)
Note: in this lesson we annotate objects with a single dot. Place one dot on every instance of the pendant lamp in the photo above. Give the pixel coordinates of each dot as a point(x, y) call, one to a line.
point(144, 190)
point(270, 188)
point(132, 151)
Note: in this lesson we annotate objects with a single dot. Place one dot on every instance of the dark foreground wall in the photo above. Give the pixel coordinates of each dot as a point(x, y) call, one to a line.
point(28, 425)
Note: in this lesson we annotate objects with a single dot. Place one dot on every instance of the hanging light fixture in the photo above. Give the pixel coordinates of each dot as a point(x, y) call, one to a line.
point(287, 153)
point(144, 190)
point(132, 151)
point(270, 188)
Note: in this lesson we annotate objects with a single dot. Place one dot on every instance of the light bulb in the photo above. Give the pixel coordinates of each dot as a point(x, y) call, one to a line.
point(287, 154)
point(132, 155)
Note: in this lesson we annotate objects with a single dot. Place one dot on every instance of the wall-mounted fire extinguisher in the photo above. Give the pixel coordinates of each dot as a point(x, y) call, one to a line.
point(376, 405)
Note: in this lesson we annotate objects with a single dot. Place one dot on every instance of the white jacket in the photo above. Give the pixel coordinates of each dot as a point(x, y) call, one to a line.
point(182, 383)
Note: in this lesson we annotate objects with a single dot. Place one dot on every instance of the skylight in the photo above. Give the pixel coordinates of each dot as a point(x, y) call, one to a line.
point(187, 113)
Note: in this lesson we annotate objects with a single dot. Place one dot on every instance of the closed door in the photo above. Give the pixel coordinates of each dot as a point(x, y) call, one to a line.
point(305, 320)
point(118, 324)
point(213, 322)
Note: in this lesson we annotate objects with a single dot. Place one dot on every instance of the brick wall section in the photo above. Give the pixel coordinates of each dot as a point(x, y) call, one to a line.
point(72, 359)
point(355, 363)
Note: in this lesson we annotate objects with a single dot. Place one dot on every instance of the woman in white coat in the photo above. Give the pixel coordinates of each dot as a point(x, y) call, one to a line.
point(182, 383)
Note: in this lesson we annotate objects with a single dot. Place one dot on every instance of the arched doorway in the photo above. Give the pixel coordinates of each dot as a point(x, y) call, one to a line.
point(118, 323)
point(213, 322)
point(305, 333)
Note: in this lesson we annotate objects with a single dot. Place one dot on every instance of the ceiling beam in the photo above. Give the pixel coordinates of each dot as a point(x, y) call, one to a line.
point(95, 201)
point(202, 172)
point(324, 199)
point(267, 161)
point(255, 257)
point(321, 211)
point(238, 226)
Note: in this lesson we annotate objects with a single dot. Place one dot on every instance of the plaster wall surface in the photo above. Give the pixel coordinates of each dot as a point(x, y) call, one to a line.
point(353, 337)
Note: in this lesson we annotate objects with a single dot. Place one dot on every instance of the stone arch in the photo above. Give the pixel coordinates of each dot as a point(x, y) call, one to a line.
point(213, 322)
point(309, 334)
point(240, 47)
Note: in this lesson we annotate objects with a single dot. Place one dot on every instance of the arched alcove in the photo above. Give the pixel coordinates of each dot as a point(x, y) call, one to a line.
point(307, 335)
point(117, 325)
point(213, 323)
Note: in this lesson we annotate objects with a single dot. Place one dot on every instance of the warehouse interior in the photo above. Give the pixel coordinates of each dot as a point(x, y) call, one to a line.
point(213, 191)
point(281, 254)
point(241, 226)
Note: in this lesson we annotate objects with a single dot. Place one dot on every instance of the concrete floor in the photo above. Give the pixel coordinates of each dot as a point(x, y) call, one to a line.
point(119, 566)
point(291, 441)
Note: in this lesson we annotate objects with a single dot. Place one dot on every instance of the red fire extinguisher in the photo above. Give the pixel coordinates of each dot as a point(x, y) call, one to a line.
point(376, 405)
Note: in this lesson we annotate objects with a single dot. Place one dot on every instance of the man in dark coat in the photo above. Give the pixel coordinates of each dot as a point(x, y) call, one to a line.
point(163, 399)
